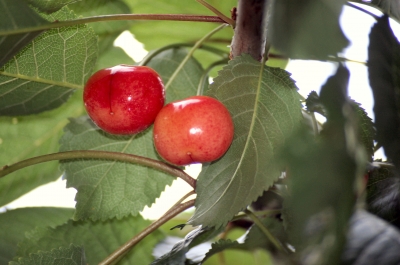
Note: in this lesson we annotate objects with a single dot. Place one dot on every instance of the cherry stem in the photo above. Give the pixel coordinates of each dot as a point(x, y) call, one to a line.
point(154, 53)
point(67, 23)
point(204, 77)
point(190, 53)
point(93, 154)
point(121, 251)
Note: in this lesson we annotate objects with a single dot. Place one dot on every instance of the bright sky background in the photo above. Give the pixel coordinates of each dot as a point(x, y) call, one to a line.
point(309, 75)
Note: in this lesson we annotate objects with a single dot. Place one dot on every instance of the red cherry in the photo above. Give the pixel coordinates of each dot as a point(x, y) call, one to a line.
point(194, 130)
point(124, 99)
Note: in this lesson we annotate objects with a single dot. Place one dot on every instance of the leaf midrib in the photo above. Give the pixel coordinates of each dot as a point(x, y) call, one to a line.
point(43, 81)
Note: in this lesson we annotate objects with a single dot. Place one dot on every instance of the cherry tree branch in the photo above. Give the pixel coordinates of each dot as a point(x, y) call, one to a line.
point(251, 28)
point(120, 252)
point(92, 154)
point(167, 17)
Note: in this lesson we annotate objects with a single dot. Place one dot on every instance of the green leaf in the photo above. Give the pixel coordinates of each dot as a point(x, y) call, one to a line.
point(219, 246)
point(265, 108)
point(366, 127)
point(255, 237)
point(187, 80)
point(46, 72)
point(16, 14)
point(108, 189)
point(313, 103)
point(91, 8)
point(26, 137)
point(112, 57)
point(307, 29)
point(15, 223)
point(177, 255)
point(99, 239)
point(169, 32)
point(50, 6)
point(384, 79)
point(315, 216)
point(371, 241)
point(383, 193)
point(61, 256)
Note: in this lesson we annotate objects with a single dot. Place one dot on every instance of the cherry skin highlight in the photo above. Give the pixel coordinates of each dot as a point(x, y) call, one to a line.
point(124, 99)
point(194, 130)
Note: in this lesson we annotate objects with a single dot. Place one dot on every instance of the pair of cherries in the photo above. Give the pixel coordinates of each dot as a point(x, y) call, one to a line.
point(128, 99)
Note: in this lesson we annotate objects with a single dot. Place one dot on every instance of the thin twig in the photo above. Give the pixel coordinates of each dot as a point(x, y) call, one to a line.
point(217, 12)
point(267, 233)
point(74, 22)
point(362, 10)
point(120, 252)
point(93, 154)
point(154, 53)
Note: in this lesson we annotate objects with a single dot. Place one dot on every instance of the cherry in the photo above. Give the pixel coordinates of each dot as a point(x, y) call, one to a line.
point(124, 99)
point(194, 130)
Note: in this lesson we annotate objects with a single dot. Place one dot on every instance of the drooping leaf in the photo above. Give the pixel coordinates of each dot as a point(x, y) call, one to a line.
point(315, 216)
point(383, 193)
point(47, 6)
point(108, 189)
point(366, 127)
point(90, 8)
point(219, 246)
point(384, 79)
point(313, 103)
point(307, 29)
point(186, 82)
point(46, 72)
point(15, 223)
point(99, 239)
point(177, 255)
point(265, 108)
point(61, 256)
point(371, 240)
point(25, 137)
point(255, 238)
point(16, 14)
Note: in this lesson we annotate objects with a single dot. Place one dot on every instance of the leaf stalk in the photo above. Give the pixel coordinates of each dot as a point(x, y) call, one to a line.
point(74, 22)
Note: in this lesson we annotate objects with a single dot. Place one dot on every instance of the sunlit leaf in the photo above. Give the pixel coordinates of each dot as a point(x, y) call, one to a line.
point(26, 137)
point(16, 14)
point(90, 8)
point(265, 108)
point(99, 239)
point(61, 256)
point(50, 6)
point(170, 32)
point(44, 74)
point(15, 223)
point(307, 29)
point(108, 189)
